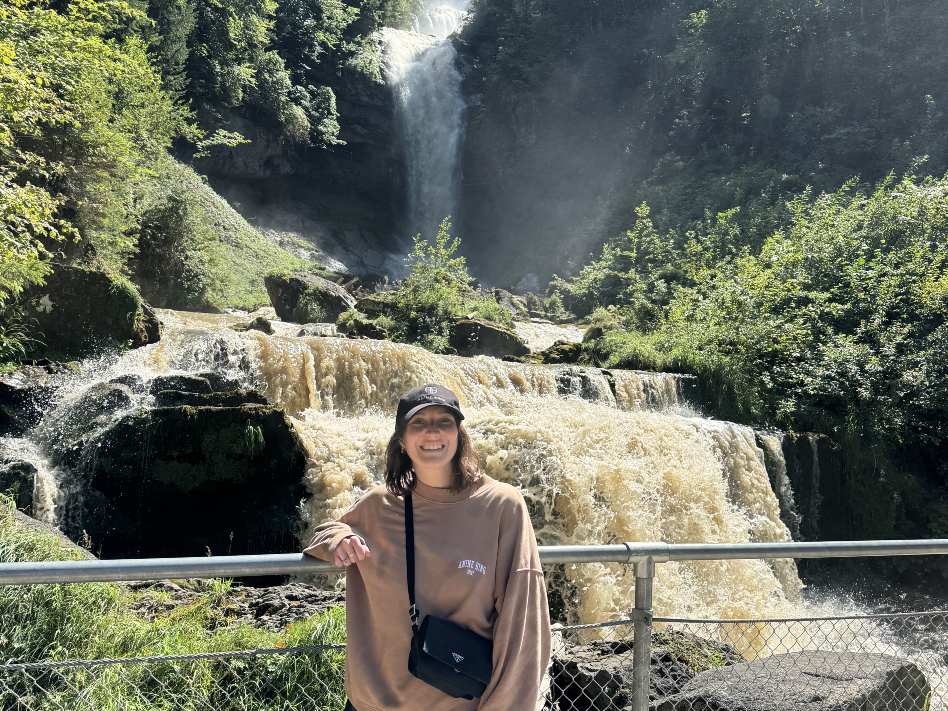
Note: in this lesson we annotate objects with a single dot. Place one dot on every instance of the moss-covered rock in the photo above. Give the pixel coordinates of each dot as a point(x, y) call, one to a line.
point(302, 297)
point(187, 480)
point(374, 305)
point(81, 311)
point(471, 336)
point(354, 324)
point(561, 352)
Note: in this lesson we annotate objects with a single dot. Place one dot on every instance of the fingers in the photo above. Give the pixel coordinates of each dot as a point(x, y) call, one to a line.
point(350, 550)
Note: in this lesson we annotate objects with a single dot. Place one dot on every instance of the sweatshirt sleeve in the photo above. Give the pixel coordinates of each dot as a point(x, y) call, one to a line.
point(522, 626)
point(329, 534)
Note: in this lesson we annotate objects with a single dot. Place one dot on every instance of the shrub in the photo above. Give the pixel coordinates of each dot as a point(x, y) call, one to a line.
point(836, 324)
point(437, 290)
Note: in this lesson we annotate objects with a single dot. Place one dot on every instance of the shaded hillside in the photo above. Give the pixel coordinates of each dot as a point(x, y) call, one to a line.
point(580, 111)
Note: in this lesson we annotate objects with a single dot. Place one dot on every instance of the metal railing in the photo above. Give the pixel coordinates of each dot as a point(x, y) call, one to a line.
point(910, 687)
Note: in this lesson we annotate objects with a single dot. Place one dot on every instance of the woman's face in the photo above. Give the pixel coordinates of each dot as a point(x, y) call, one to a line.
point(431, 437)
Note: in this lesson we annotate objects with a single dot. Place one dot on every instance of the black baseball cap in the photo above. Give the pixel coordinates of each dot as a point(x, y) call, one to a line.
point(419, 398)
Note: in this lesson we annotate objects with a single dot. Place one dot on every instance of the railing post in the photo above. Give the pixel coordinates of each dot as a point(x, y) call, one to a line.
point(642, 633)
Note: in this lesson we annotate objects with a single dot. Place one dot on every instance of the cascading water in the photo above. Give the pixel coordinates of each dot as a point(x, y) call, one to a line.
point(616, 465)
point(101, 390)
point(420, 66)
point(621, 465)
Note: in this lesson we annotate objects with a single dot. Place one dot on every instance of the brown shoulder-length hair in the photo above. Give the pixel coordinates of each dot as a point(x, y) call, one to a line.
point(400, 477)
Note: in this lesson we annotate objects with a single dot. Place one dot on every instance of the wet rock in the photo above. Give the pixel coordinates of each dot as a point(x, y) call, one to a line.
point(598, 676)
point(233, 398)
point(317, 330)
point(81, 311)
point(806, 681)
point(584, 383)
point(258, 324)
point(218, 381)
point(374, 305)
point(66, 430)
point(358, 326)
point(16, 481)
point(181, 383)
point(184, 481)
point(24, 395)
point(304, 298)
point(273, 608)
point(561, 352)
point(471, 337)
point(133, 382)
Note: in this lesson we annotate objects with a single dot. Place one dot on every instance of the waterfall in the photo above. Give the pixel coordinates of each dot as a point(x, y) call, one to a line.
point(601, 456)
point(608, 459)
point(420, 66)
point(101, 390)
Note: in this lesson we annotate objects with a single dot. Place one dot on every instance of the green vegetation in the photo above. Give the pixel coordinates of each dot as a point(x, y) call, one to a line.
point(87, 121)
point(836, 323)
point(438, 289)
point(689, 106)
point(96, 620)
point(196, 252)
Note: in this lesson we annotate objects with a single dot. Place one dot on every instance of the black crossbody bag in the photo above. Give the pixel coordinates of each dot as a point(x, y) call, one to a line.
point(447, 656)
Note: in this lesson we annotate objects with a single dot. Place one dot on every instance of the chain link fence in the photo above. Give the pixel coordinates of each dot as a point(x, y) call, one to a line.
point(896, 662)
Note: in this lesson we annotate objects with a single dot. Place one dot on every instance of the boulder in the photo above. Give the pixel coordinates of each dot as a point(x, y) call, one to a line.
point(374, 305)
point(472, 336)
point(232, 398)
point(561, 352)
point(81, 311)
point(303, 298)
point(185, 481)
point(24, 395)
point(258, 324)
point(16, 481)
point(598, 676)
point(806, 681)
point(359, 326)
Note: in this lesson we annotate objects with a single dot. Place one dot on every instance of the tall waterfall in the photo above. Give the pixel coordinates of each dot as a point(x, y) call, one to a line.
point(420, 66)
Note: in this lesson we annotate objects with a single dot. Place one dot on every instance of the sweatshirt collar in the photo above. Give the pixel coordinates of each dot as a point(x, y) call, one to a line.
point(447, 496)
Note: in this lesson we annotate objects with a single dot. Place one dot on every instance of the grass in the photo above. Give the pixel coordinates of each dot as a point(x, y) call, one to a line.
point(96, 620)
point(230, 256)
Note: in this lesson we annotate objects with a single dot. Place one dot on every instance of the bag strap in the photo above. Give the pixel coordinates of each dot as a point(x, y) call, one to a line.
point(410, 560)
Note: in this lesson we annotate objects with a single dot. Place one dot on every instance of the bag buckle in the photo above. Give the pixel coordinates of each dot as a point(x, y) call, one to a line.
point(413, 614)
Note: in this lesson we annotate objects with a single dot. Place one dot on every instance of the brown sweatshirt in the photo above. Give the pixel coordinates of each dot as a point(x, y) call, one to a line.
point(476, 563)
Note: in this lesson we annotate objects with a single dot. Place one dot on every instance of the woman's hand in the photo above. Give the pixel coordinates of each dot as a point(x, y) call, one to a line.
point(350, 549)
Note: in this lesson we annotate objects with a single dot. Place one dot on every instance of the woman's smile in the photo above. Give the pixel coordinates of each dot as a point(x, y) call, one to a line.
point(431, 437)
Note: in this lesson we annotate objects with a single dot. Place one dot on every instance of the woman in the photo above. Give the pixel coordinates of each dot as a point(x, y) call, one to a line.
point(476, 564)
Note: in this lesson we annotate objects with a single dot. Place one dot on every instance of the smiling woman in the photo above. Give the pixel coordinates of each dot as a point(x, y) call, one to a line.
point(468, 543)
